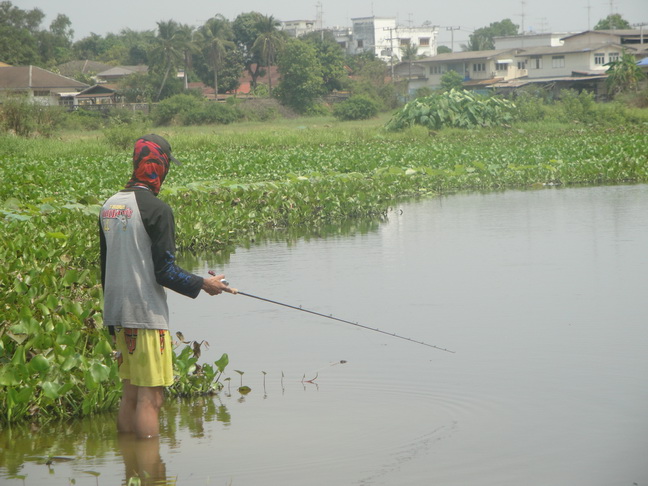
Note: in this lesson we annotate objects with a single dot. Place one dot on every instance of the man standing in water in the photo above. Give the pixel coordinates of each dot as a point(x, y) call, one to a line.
point(137, 237)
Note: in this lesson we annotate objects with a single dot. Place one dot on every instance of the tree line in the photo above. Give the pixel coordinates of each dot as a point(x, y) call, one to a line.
point(215, 53)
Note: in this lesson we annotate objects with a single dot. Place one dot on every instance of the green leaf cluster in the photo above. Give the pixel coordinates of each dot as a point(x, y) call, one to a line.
point(455, 109)
point(55, 357)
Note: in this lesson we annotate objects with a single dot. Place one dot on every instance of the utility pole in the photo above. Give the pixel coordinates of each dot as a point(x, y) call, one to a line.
point(319, 17)
point(452, 29)
point(641, 31)
point(522, 15)
point(391, 50)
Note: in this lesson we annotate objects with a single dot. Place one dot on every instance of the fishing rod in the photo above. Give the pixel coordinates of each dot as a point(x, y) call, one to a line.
point(300, 308)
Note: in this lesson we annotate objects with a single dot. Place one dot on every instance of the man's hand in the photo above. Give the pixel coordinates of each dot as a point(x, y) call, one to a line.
point(214, 285)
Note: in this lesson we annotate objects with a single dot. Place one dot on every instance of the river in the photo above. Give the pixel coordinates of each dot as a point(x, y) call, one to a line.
point(540, 295)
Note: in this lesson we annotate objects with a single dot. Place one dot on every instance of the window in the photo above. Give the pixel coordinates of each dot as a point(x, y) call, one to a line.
point(360, 43)
point(479, 67)
point(558, 61)
point(536, 62)
point(404, 42)
point(424, 41)
point(521, 64)
point(342, 44)
point(501, 66)
point(41, 93)
point(436, 70)
point(614, 56)
point(599, 58)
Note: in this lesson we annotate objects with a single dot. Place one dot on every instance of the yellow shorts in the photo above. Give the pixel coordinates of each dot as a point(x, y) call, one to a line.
point(144, 356)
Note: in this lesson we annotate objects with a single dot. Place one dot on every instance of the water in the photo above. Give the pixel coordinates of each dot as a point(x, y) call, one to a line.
point(541, 294)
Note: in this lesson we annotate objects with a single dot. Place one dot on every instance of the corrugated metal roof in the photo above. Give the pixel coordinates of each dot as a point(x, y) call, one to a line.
point(516, 83)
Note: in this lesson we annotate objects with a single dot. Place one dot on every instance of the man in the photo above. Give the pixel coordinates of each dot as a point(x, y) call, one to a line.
point(137, 235)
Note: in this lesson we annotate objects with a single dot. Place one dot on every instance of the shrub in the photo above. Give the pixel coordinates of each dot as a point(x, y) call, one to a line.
point(530, 107)
point(576, 106)
point(24, 118)
point(357, 107)
point(456, 109)
point(123, 135)
point(171, 109)
point(211, 113)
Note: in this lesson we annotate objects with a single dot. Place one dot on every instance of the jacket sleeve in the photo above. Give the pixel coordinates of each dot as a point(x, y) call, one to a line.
point(160, 226)
point(102, 248)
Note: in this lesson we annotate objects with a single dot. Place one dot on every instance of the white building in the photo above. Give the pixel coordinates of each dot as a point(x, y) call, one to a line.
point(546, 39)
point(387, 40)
point(297, 28)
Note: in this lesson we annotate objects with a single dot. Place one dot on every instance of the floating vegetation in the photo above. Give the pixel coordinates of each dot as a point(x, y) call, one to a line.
point(56, 359)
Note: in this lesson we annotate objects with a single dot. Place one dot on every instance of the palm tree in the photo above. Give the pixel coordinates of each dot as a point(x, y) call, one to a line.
point(268, 43)
point(167, 50)
point(188, 46)
point(410, 53)
point(215, 38)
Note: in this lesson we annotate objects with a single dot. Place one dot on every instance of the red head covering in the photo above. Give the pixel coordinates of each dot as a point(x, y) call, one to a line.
point(150, 166)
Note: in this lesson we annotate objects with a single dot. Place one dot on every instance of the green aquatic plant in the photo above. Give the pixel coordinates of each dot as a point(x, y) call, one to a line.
point(192, 378)
point(56, 359)
point(454, 109)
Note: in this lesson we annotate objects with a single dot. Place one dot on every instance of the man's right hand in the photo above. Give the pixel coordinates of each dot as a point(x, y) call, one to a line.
point(214, 285)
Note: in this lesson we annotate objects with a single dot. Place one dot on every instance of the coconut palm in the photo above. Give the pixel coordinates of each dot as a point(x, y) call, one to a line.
point(168, 49)
point(268, 43)
point(189, 47)
point(215, 38)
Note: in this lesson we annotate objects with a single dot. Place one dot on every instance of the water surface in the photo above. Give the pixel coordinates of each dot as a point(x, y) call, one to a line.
point(541, 294)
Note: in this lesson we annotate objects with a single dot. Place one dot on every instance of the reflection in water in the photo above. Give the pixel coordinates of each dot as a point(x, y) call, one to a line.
point(142, 460)
point(31, 454)
point(541, 293)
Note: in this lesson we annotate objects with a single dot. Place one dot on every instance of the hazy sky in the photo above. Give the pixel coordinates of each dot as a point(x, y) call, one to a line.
point(539, 15)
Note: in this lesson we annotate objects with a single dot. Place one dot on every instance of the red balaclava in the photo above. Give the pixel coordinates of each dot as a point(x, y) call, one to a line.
point(150, 166)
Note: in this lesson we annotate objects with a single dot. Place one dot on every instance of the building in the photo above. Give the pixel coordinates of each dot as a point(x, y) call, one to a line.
point(546, 39)
point(116, 73)
point(39, 85)
point(297, 28)
point(479, 69)
point(575, 61)
point(388, 41)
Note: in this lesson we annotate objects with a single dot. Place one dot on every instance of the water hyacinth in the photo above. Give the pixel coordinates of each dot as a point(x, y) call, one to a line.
point(56, 358)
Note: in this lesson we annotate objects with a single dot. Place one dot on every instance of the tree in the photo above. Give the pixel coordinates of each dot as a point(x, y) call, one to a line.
point(229, 78)
point(611, 22)
point(623, 74)
point(245, 28)
point(268, 43)
point(301, 76)
point(56, 44)
point(331, 58)
point(482, 39)
point(215, 37)
point(443, 50)
point(18, 34)
point(451, 80)
point(168, 50)
point(189, 48)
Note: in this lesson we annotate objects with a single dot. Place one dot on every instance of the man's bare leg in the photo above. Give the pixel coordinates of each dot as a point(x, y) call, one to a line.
point(147, 411)
point(127, 407)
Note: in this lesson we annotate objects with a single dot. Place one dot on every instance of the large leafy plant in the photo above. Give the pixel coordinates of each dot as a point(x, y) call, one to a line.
point(455, 109)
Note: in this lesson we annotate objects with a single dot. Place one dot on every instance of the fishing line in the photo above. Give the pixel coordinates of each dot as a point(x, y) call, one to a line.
point(330, 316)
